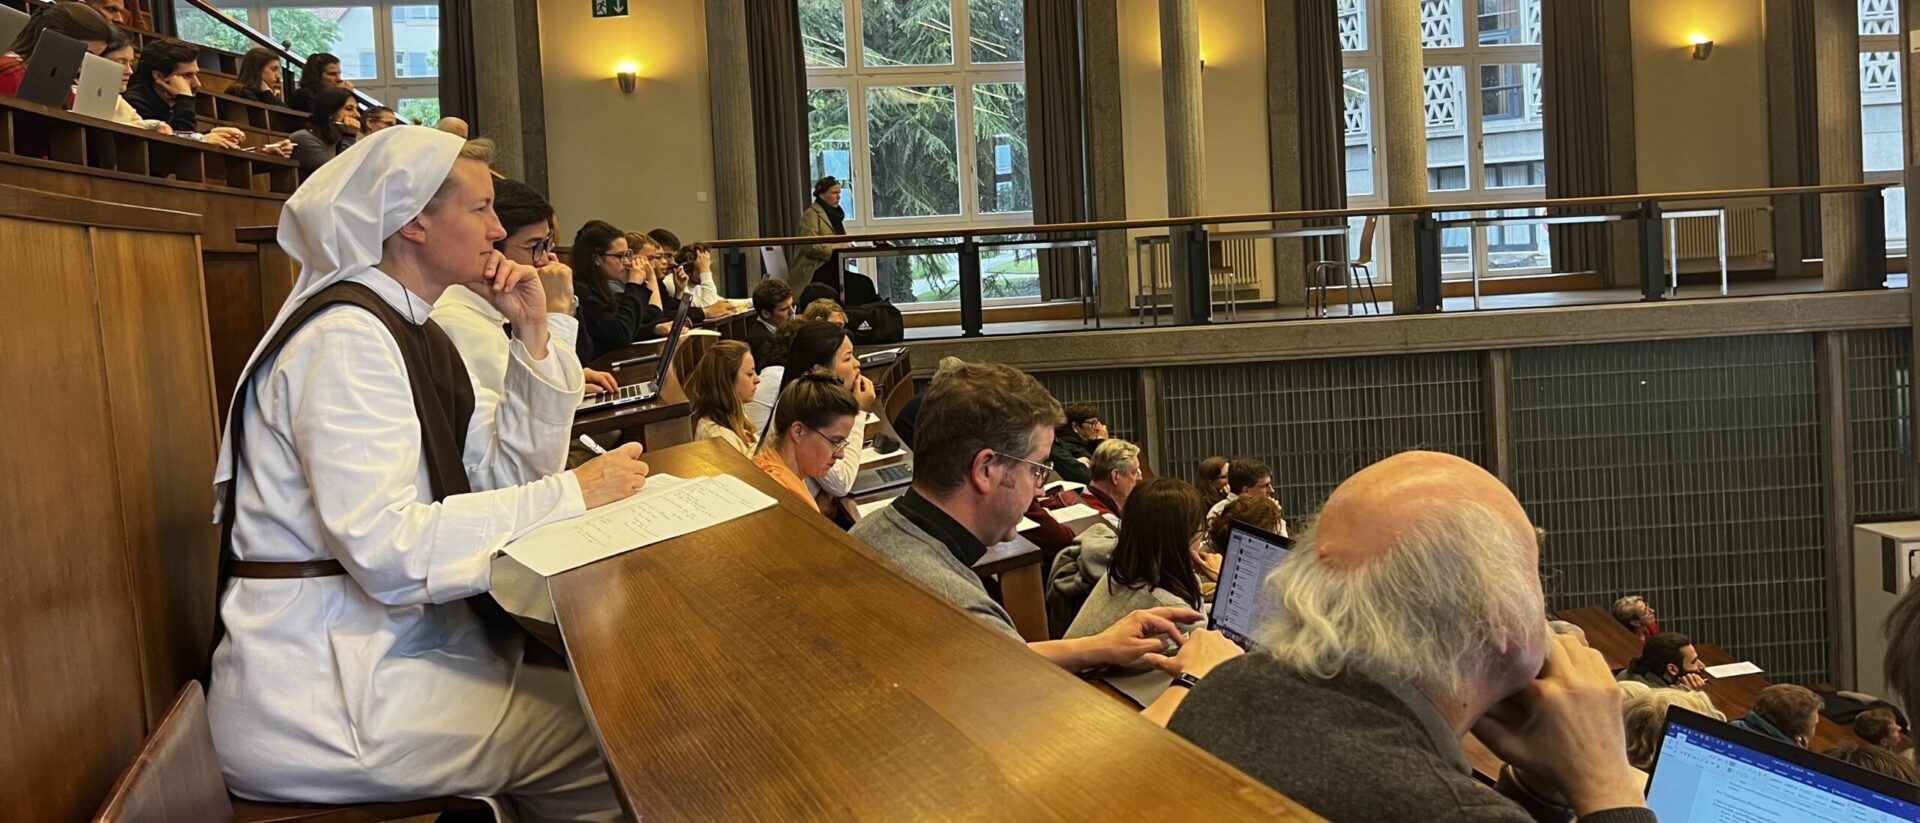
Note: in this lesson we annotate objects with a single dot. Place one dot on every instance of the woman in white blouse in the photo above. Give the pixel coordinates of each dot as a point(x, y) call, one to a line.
point(824, 347)
point(719, 389)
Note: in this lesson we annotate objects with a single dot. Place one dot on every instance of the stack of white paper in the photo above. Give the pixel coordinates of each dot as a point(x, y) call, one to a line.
point(668, 507)
point(1732, 670)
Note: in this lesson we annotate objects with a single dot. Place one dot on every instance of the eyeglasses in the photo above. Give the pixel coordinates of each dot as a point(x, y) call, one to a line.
point(542, 247)
point(1040, 470)
point(624, 257)
point(838, 444)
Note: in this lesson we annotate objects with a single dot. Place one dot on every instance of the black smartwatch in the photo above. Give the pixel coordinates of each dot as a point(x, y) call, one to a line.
point(1185, 679)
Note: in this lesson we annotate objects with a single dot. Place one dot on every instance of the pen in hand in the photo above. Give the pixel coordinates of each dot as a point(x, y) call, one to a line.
point(591, 446)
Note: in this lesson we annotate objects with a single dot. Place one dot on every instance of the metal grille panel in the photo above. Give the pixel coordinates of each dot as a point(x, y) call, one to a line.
point(1315, 422)
point(1880, 413)
point(1110, 389)
point(1687, 471)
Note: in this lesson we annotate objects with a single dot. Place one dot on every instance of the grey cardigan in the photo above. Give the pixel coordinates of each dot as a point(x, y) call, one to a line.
point(1107, 604)
point(924, 558)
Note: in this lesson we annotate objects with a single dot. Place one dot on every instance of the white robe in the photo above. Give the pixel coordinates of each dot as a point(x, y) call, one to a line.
point(381, 685)
point(475, 327)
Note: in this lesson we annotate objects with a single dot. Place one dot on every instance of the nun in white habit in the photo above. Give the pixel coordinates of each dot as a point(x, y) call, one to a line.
point(380, 684)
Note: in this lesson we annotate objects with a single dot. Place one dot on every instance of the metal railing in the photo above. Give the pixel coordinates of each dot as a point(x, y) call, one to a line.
point(1189, 239)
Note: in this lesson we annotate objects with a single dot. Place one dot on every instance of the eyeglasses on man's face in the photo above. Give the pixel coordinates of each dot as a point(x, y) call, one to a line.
point(1040, 470)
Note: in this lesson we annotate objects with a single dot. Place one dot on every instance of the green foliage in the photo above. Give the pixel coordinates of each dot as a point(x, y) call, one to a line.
point(423, 111)
point(305, 33)
point(823, 33)
point(195, 26)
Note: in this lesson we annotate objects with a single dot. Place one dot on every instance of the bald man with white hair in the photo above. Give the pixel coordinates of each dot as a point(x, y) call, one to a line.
point(1409, 615)
point(454, 126)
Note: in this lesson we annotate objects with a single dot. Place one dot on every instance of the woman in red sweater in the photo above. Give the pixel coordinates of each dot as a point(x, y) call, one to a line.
point(76, 20)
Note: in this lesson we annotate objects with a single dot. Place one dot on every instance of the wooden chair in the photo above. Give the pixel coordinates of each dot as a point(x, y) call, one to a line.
point(176, 776)
point(1361, 265)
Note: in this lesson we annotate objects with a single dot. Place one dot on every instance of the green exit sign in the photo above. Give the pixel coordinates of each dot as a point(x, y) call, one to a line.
point(609, 8)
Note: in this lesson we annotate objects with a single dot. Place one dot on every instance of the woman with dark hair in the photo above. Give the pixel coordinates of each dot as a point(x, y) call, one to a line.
point(823, 218)
point(719, 389)
point(813, 429)
point(620, 303)
point(322, 71)
point(76, 20)
point(1212, 481)
point(818, 347)
point(332, 126)
point(259, 78)
point(1152, 563)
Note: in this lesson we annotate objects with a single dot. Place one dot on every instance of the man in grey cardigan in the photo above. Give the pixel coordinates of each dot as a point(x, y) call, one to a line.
point(1409, 615)
point(982, 434)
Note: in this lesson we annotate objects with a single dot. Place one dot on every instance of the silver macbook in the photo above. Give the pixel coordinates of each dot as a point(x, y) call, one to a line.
point(99, 87)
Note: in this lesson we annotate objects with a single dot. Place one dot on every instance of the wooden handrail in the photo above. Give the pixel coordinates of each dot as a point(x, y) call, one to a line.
point(1310, 214)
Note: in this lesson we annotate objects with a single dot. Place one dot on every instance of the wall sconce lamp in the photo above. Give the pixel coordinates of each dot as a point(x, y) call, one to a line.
point(628, 74)
point(1702, 47)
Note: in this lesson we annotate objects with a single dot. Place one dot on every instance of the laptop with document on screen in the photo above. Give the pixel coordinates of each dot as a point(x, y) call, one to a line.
point(644, 392)
point(1250, 554)
point(1707, 770)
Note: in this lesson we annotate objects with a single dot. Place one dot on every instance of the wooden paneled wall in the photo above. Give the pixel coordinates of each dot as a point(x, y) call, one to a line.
point(106, 387)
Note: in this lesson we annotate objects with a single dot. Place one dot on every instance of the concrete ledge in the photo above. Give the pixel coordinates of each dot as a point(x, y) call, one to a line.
point(1506, 329)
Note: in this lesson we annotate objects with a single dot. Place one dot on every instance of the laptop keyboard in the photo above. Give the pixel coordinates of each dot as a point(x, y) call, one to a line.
point(636, 391)
point(895, 474)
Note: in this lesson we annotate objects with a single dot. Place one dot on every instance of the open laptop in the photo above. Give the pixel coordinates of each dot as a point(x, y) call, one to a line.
point(12, 22)
point(885, 477)
point(643, 392)
point(1250, 554)
point(1710, 771)
point(99, 87)
point(52, 69)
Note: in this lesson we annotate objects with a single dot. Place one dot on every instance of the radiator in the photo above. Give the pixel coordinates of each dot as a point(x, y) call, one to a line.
point(1749, 235)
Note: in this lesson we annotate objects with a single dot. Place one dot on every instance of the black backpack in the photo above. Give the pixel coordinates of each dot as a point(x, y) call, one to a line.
point(875, 323)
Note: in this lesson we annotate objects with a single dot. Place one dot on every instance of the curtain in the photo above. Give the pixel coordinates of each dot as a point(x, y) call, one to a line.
point(1323, 120)
point(161, 19)
point(1575, 89)
point(1806, 95)
point(779, 77)
point(459, 84)
point(1056, 139)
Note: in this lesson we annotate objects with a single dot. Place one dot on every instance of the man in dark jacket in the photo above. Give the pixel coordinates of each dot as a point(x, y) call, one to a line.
point(164, 83)
point(1074, 442)
point(1356, 701)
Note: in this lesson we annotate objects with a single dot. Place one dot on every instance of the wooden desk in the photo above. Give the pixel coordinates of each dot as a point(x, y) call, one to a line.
point(893, 382)
point(772, 668)
point(228, 110)
point(1733, 696)
point(83, 141)
point(730, 326)
point(662, 422)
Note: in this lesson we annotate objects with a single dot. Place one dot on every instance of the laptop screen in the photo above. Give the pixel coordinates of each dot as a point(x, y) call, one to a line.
point(1250, 553)
point(673, 340)
point(1710, 771)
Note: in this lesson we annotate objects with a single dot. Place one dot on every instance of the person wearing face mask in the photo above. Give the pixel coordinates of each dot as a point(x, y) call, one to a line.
point(331, 129)
point(823, 218)
point(813, 427)
point(322, 71)
point(76, 20)
point(476, 327)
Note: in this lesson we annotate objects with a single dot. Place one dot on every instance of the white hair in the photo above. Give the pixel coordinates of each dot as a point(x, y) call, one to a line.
point(1645, 715)
point(1446, 605)
point(1113, 455)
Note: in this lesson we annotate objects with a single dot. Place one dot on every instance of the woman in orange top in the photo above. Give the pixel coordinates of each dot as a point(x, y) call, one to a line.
point(811, 424)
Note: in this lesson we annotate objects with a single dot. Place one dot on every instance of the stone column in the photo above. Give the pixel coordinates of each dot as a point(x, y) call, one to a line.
point(735, 197)
point(1106, 151)
point(1403, 135)
point(1836, 57)
point(1186, 138)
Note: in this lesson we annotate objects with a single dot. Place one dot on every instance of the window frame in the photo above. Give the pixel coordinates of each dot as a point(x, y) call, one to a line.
point(387, 86)
point(1888, 43)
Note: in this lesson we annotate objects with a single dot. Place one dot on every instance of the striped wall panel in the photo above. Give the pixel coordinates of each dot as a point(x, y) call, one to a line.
point(1318, 421)
point(1880, 416)
point(1110, 389)
point(1687, 471)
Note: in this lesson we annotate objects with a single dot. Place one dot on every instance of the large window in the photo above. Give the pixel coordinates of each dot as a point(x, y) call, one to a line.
point(1882, 143)
point(1485, 139)
point(389, 50)
point(920, 108)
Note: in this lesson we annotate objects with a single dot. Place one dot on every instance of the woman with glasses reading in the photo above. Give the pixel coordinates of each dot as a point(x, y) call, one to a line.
point(1153, 563)
point(617, 307)
point(812, 430)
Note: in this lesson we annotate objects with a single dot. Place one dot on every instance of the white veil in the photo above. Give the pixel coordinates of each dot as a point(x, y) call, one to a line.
point(335, 224)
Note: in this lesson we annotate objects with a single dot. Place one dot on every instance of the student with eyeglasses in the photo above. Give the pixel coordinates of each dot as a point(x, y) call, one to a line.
point(476, 327)
point(817, 347)
point(616, 307)
point(812, 430)
point(1075, 441)
point(983, 436)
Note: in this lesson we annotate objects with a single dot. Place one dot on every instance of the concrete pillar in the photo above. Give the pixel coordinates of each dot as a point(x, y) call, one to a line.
point(736, 198)
point(1403, 135)
point(1283, 143)
point(1836, 57)
point(1186, 137)
point(512, 107)
point(1106, 151)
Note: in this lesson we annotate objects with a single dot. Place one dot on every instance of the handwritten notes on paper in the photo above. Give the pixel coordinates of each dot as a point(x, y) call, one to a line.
point(667, 508)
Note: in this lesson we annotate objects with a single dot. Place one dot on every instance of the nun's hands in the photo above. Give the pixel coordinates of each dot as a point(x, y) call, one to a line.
point(515, 289)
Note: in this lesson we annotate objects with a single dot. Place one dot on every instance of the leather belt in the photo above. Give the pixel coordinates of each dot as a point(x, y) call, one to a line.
point(263, 570)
